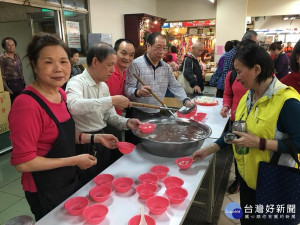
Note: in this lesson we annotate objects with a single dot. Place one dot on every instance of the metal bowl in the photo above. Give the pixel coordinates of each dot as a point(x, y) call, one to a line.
point(166, 141)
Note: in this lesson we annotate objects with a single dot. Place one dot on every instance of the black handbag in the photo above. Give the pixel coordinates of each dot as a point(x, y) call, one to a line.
point(278, 190)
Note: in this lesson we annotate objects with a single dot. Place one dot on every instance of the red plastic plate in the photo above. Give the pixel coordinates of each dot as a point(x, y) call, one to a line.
point(207, 104)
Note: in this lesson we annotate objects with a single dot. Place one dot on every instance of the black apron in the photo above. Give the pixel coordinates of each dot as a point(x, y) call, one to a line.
point(56, 185)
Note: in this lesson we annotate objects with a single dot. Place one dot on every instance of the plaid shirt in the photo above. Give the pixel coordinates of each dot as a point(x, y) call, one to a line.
point(227, 66)
point(158, 78)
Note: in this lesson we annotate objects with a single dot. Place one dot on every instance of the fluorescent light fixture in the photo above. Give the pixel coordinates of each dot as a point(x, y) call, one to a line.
point(212, 1)
point(291, 17)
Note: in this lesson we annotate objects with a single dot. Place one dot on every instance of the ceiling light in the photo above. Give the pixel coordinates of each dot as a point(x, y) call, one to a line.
point(212, 1)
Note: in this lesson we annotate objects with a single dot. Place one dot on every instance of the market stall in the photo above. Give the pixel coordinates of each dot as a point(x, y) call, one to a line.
point(183, 34)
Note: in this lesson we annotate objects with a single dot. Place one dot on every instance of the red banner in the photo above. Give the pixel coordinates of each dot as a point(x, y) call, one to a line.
point(199, 23)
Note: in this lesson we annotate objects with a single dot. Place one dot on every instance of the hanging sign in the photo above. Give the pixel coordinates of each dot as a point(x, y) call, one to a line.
point(73, 34)
point(199, 23)
point(166, 25)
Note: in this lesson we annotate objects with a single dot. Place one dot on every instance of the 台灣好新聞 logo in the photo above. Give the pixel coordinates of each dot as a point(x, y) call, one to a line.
point(233, 210)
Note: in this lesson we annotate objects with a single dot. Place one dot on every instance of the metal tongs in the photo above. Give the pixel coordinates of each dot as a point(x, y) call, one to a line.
point(137, 104)
point(186, 110)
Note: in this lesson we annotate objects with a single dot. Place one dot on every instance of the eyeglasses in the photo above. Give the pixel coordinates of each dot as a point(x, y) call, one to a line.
point(159, 48)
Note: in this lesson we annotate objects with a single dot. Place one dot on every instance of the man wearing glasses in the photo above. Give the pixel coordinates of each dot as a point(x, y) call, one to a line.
point(192, 71)
point(157, 76)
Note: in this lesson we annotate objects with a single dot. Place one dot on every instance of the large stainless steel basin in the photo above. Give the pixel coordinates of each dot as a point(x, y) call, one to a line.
point(174, 138)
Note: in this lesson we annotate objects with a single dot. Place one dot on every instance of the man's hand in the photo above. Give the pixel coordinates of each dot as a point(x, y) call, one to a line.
point(197, 89)
point(144, 91)
point(189, 104)
point(120, 102)
point(133, 124)
point(107, 140)
point(85, 161)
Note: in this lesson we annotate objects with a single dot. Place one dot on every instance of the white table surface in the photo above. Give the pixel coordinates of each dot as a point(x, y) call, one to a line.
point(123, 206)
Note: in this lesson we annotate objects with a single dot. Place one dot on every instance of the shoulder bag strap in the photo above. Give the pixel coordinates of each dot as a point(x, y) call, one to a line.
point(183, 65)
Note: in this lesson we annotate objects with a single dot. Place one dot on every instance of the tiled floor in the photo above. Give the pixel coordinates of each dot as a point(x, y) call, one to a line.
point(12, 198)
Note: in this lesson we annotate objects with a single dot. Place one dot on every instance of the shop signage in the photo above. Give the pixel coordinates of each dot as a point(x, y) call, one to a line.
point(199, 23)
point(73, 34)
point(166, 25)
point(178, 24)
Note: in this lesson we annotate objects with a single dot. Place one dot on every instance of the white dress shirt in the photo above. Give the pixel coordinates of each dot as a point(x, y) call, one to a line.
point(91, 105)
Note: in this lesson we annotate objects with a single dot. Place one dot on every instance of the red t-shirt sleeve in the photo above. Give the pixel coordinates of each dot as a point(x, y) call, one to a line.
point(228, 93)
point(25, 123)
point(33, 132)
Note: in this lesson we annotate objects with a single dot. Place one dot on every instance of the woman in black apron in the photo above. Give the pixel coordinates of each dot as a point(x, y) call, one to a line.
point(43, 132)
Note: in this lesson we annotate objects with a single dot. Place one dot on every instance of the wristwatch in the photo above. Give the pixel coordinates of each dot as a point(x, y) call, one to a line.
point(185, 100)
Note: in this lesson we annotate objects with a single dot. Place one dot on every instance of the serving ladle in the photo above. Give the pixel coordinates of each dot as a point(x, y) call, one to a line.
point(182, 110)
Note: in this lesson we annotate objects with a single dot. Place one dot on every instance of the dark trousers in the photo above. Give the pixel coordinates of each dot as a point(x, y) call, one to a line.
point(194, 95)
point(247, 199)
point(219, 93)
point(138, 114)
point(105, 157)
point(112, 130)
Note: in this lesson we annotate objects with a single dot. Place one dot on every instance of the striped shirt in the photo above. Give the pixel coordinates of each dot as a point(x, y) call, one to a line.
point(158, 78)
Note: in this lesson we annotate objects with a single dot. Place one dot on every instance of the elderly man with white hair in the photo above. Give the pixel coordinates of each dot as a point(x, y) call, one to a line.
point(192, 69)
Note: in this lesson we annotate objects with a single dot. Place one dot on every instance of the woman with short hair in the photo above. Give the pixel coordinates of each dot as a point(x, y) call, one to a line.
point(270, 110)
point(293, 78)
point(11, 68)
point(281, 60)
